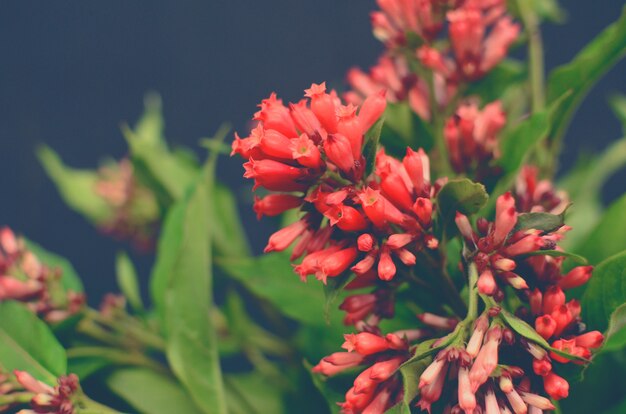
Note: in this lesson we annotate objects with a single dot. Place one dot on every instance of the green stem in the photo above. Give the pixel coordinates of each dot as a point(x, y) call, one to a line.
point(472, 311)
point(88, 406)
point(118, 356)
point(130, 327)
point(535, 55)
point(16, 398)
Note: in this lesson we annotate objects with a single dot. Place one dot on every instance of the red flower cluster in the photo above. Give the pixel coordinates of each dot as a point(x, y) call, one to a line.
point(378, 387)
point(312, 154)
point(534, 195)
point(391, 74)
point(49, 399)
point(480, 34)
point(24, 278)
point(472, 137)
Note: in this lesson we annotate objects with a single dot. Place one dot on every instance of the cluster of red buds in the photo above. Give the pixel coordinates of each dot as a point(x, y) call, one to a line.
point(24, 278)
point(379, 386)
point(393, 75)
point(534, 195)
point(134, 209)
point(312, 154)
point(472, 138)
point(47, 399)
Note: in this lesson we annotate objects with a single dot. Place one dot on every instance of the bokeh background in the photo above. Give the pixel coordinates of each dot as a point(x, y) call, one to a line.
point(71, 72)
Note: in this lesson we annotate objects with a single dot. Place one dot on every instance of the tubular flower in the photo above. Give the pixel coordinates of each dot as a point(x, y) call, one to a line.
point(472, 137)
point(47, 399)
point(533, 195)
point(353, 220)
point(392, 75)
point(378, 387)
point(133, 209)
point(24, 278)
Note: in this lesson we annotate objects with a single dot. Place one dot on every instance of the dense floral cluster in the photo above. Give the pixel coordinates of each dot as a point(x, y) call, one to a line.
point(47, 399)
point(312, 153)
point(134, 210)
point(24, 278)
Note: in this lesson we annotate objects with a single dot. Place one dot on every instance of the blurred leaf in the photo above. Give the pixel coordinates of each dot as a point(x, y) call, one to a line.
point(150, 392)
point(76, 187)
point(271, 277)
point(227, 230)
point(609, 235)
point(545, 222)
point(584, 185)
point(370, 148)
point(333, 290)
point(252, 394)
point(616, 333)
point(520, 140)
point(460, 195)
point(556, 253)
point(127, 281)
point(618, 105)
point(605, 292)
point(85, 367)
point(583, 71)
point(492, 87)
point(332, 397)
point(27, 344)
point(182, 291)
point(549, 10)
point(70, 279)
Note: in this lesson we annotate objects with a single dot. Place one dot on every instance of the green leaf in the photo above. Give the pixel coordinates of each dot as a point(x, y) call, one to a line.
point(400, 408)
point(460, 195)
point(27, 344)
point(182, 291)
point(252, 394)
point(616, 333)
point(370, 148)
point(609, 235)
point(332, 397)
point(70, 279)
point(333, 290)
point(412, 370)
point(150, 392)
point(76, 187)
point(127, 281)
point(557, 253)
point(404, 128)
point(528, 332)
point(549, 10)
point(520, 140)
point(583, 71)
point(618, 105)
point(162, 170)
point(85, 367)
point(227, 230)
point(271, 277)
point(605, 292)
point(545, 222)
point(490, 88)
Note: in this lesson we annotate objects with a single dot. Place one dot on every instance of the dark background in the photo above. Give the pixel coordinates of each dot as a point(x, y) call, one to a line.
point(72, 71)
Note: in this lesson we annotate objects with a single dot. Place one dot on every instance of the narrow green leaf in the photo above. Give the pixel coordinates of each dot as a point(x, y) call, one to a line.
point(370, 148)
point(557, 253)
point(70, 279)
point(605, 292)
point(251, 393)
point(150, 392)
point(618, 105)
point(182, 291)
point(27, 344)
point(332, 397)
point(520, 140)
point(76, 187)
point(271, 277)
point(609, 235)
point(411, 371)
point(127, 281)
point(460, 195)
point(509, 73)
point(228, 233)
point(616, 333)
point(583, 71)
point(545, 222)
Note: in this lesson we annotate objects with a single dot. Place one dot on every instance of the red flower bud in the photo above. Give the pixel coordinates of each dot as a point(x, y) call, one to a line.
point(555, 386)
point(591, 339)
point(545, 326)
point(339, 151)
point(552, 299)
point(365, 343)
point(275, 204)
point(323, 106)
point(578, 276)
point(372, 109)
point(365, 242)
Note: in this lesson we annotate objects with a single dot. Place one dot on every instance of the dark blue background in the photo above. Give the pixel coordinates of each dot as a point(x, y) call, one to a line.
point(71, 71)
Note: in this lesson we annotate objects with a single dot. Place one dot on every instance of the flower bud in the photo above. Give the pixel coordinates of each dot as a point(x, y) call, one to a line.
point(556, 387)
point(578, 276)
